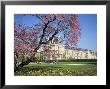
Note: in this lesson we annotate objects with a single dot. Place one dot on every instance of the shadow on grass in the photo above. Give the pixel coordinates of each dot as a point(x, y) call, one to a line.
point(93, 63)
point(37, 68)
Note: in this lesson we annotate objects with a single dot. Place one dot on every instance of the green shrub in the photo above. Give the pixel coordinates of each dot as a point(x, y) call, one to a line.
point(75, 60)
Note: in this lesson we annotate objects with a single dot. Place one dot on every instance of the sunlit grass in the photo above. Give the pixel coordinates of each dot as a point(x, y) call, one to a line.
point(60, 69)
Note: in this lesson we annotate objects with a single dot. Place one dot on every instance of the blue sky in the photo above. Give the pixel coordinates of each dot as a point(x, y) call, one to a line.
point(88, 38)
point(88, 23)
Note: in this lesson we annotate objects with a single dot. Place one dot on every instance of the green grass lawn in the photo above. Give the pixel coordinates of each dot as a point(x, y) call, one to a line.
point(59, 69)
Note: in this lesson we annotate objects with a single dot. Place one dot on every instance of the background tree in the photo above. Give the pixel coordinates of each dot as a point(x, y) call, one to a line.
point(29, 40)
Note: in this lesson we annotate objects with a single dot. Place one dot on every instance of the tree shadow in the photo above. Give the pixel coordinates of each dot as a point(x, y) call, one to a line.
point(39, 68)
point(95, 63)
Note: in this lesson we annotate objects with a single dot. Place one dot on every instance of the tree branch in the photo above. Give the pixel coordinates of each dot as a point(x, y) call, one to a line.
point(43, 34)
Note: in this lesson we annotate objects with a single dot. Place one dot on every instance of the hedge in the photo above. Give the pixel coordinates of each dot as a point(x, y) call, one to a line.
point(70, 60)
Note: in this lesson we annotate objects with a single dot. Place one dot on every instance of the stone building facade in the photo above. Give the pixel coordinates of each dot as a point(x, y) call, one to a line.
point(61, 52)
point(75, 53)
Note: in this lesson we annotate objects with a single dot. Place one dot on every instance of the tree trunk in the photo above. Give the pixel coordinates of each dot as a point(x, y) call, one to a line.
point(23, 63)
